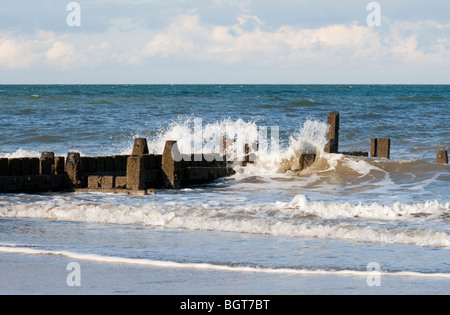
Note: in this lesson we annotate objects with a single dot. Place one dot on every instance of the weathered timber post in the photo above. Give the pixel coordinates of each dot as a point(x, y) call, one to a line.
point(4, 170)
point(15, 167)
point(171, 165)
point(73, 170)
point(135, 172)
point(373, 147)
point(140, 146)
point(46, 163)
point(25, 166)
point(380, 147)
point(34, 166)
point(442, 157)
point(58, 166)
point(332, 145)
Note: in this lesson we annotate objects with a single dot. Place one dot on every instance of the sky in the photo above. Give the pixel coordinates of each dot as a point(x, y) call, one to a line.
point(224, 42)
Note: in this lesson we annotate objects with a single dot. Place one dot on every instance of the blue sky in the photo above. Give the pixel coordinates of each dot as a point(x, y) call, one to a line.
point(216, 41)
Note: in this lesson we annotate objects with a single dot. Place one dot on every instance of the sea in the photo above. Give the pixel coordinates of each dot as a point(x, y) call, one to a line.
point(346, 225)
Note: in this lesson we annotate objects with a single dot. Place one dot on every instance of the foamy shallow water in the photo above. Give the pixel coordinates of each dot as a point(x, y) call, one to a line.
point(118, 259)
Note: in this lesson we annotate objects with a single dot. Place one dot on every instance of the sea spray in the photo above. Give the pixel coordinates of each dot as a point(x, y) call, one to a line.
point(265, 146)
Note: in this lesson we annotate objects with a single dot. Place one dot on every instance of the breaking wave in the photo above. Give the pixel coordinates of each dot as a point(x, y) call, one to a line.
point(297, 218)
point(207, 266)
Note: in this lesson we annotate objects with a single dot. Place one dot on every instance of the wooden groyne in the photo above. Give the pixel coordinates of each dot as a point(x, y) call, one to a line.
point(379, 147)
point(141, 173)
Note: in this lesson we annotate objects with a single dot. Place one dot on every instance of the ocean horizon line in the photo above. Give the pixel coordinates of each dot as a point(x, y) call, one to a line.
point(225, 84)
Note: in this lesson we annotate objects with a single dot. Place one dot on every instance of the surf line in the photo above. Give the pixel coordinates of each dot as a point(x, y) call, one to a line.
point(213, 267)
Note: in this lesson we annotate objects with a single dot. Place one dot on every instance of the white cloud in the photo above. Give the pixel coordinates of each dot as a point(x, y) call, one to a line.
point(245, 43)
point(187, 39)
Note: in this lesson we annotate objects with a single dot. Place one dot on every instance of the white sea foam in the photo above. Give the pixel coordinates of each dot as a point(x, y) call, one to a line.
point(208, 266)
point(298, 218)
point(21, 153)
point(271, 157)
point(398, 211)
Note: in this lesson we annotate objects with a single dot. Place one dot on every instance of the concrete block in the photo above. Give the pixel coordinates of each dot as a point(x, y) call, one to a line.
point(46, 162)
point(442, 157)
point(4, 168)
point(121, 182)
point(107, 182)
point(93, 181)
point(135, 169)
point(15, 167)
point(140, 146)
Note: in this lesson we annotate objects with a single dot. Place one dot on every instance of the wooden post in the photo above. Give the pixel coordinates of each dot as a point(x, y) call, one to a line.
point(4, 170)
point(15, 167)
point(73, 170)
point(332, 145)
point(442, 157)
point(46, 162)
point(34, 166)
point(380, 147)
point(25, 166)
point(58, 167)
point(373, 147)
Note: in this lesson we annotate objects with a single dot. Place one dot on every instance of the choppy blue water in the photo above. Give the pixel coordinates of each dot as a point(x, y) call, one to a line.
point(332, 219)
